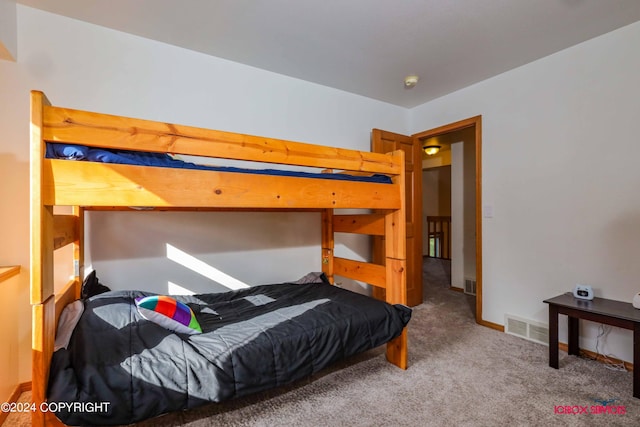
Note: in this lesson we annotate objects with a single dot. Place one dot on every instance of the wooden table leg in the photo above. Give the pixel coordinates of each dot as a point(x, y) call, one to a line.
point(553, 336)
point(574, 336)
point(636, 360)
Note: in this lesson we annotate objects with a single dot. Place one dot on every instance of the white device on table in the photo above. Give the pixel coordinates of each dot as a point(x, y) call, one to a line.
point(636, 300)
point(583, 292)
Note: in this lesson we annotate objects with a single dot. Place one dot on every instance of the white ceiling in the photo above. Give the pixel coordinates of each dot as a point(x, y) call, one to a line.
point(365, 47)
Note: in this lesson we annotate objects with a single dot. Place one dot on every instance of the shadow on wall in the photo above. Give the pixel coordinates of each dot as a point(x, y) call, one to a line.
point(118, 235)
point(185, 252)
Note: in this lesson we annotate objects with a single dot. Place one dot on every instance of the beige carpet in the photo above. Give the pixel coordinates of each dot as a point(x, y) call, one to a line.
point(460, 374)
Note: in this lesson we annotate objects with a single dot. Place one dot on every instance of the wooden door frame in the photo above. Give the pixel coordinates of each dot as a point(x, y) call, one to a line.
point(452, 127)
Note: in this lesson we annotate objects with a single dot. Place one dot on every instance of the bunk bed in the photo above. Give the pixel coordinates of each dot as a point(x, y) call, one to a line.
point(91, 185)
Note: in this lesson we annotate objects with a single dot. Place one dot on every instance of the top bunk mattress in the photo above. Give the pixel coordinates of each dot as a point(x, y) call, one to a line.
point(140, 158)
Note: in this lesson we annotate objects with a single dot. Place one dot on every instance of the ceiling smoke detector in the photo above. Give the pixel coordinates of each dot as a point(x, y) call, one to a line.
point(410, 81)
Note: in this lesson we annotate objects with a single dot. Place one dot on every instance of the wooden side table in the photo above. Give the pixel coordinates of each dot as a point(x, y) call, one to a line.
point(601, 310)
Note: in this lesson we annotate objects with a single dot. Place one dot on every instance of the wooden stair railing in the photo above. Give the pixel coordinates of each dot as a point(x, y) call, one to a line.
point(439, 235)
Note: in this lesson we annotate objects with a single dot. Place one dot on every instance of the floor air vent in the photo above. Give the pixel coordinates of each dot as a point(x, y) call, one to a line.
point(527, 329)
point(470, 286)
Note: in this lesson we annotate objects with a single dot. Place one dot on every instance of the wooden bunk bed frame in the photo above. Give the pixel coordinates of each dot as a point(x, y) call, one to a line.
point(87, 185)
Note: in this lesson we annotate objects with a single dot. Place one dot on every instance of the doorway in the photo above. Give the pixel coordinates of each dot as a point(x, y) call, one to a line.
point(460, 149)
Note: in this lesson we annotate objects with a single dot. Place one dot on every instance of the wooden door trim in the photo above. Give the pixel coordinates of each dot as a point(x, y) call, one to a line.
point(451, 127)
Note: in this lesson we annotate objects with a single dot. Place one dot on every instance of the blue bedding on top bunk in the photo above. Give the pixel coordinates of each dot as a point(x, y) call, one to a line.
point(140, 158)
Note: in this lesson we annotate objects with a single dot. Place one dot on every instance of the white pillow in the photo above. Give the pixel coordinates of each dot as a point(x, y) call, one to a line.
point(67, 323)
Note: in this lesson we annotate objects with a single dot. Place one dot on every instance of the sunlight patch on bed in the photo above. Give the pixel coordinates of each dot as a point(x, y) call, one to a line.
point(201, 267)
point(241, 333)
point(175, 289)
point(229, 337)
point(105, 313)
point(259, 300)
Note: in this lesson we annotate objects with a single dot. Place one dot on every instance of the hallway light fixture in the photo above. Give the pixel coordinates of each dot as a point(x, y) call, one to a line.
point(430, 150)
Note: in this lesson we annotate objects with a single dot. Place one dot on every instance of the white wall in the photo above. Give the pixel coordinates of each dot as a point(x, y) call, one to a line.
point(84, 66)
point(560, 167)
point(469, 196)
point(8, 30)
point(457, 215)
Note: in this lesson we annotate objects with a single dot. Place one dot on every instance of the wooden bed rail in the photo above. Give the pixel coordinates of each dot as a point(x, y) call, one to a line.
point(99, 184)
point(65, 230)
point(108, 131)
point(372, 274)
point(370, 224)
point(44, 322)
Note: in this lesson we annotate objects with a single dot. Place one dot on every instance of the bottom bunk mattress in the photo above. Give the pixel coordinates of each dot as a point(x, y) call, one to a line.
point(128, 368)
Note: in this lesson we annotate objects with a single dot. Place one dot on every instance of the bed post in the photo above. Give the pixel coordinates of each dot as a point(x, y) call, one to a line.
point(327, 244)
point(42, 292)
point(78, 249)
point(396, 267)
point(41, 215)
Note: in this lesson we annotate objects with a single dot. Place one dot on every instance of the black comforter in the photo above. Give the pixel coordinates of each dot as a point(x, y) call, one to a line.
point(253, 339)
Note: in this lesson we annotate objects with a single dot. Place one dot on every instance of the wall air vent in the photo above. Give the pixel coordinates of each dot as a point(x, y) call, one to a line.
point(539, 333)
point(516, 327)
point(470, 286)
point(527, 329)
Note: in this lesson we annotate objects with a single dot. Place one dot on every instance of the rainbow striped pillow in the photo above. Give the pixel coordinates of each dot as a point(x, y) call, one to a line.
point(168, 313)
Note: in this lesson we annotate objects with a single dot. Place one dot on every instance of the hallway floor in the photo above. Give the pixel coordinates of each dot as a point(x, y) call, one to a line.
point(436, 282)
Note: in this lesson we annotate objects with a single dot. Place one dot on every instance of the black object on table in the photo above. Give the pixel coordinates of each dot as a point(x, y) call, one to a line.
point(601, 310)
